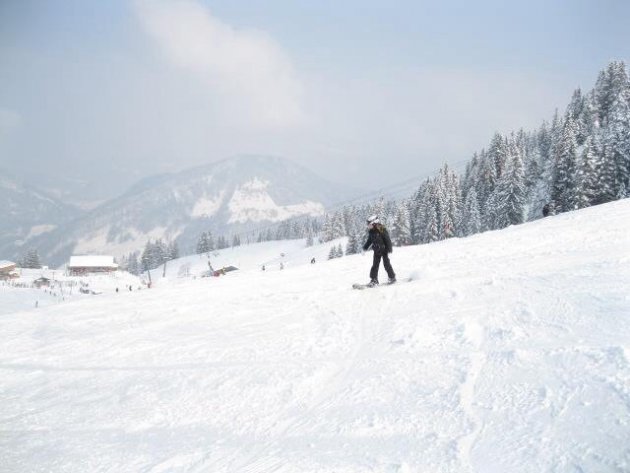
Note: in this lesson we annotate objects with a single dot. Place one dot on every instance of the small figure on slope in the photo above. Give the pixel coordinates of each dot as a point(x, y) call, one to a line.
point(379, 240)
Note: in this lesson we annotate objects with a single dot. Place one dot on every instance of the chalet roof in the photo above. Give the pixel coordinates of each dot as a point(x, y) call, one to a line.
point(6, 264)
point(92, 261)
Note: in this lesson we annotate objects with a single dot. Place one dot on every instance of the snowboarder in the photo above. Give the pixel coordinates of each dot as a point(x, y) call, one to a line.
point(379, 240)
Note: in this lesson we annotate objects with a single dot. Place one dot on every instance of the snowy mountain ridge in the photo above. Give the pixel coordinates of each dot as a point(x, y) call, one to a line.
point(27, 212)
point(507, 351)
point(251, 202)
point(225, 197)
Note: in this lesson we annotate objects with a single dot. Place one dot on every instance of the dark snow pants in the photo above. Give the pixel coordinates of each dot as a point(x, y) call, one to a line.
point(386, 264)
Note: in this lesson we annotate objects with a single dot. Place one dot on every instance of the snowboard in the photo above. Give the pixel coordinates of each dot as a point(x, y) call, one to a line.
point(360, 287)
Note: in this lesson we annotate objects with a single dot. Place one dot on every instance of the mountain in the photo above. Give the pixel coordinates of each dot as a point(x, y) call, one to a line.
point(27, 212)
point(234, 195)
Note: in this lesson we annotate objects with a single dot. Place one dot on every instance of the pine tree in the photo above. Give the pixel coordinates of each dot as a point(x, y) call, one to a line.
point(586, 177)
point(498, 154)
point(328, 231)
point(132, 264)
point(606, 177)
point(210, 242)
point(202, 244)
point(352, 247)
point(617, 130)
point(401, 232)
point(576, 111)
point(431, 232)
point(339, 251)
point(222, 242)
point(173, 250)
point(487, 180)
point(566, 161)
point(448, 227)
point(159, 253)
point(506, 205)
point(146, 259)
point(31, 260)
point(332, 254)
point(472, 215)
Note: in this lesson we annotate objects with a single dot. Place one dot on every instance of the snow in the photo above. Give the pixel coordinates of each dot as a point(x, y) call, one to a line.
point(39, 230)
point(19, 294)
point(250, 257)
point(4, 264)
point(506, 351)
point(252, 202)
point(98, 241)
point(205, 207)
point(92, 261)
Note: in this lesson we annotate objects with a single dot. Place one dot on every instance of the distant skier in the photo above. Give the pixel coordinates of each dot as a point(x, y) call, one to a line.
point(549, 209)
point(313, 261)
point(379, 240)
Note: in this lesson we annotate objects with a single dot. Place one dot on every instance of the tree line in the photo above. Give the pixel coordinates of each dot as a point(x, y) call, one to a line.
point(580, 159)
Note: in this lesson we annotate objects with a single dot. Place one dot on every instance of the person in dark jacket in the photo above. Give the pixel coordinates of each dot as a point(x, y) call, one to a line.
point(379, 240)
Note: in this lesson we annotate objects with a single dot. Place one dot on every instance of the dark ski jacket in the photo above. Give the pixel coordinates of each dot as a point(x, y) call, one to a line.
point(378, 239)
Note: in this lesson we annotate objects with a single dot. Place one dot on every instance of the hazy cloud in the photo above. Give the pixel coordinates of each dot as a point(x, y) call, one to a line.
point(9, 121)
point(245, 70)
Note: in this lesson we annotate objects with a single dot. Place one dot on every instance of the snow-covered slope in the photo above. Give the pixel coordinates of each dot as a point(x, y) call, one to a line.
point(504, 352)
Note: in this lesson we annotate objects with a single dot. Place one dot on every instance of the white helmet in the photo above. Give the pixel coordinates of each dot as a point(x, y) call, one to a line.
point(373, 220)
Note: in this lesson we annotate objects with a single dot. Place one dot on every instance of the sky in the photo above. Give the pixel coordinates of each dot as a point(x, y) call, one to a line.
point(95, 95)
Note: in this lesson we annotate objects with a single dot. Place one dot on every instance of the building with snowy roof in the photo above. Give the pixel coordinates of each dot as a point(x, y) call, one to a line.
point(8, 269)
point(87, 264)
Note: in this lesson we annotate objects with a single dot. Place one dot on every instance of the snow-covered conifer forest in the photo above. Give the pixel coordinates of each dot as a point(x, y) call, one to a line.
point(578, 159)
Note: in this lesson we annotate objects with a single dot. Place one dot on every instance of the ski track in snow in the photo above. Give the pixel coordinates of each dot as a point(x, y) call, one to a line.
point(505, 352)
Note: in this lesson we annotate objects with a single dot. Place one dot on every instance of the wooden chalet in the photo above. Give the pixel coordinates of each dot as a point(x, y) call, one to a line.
point(42, 282)
point(225, 269)
point(88, 264)
point(8, 270)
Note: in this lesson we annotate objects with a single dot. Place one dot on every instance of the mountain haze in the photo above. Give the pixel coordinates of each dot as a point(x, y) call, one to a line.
point(234, 195)
point(27, 212)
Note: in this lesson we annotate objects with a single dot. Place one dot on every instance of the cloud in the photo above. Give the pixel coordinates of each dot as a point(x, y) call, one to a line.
point(244, 70)
point(9, 121)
